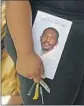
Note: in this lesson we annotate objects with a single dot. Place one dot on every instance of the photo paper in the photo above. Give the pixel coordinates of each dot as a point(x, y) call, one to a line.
point(50, 34)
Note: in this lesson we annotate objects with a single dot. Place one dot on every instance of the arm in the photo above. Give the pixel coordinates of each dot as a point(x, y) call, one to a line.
point(19, 21)
point(19, 16)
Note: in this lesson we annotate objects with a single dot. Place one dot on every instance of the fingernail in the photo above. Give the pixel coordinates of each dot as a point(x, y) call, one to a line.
point(36, 81)
point(30, 78)
point(43, 76)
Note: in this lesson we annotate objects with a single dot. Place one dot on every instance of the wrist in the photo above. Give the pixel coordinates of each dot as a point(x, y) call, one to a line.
point(25, 54)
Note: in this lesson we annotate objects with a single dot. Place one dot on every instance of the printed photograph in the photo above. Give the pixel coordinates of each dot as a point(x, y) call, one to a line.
point(49, 39)
point(50, 34)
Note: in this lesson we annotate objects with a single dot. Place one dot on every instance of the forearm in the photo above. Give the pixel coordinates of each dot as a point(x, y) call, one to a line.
point(19, 20)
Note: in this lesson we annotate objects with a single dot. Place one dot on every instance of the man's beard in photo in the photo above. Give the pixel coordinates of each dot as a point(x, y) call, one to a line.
point(46, 47)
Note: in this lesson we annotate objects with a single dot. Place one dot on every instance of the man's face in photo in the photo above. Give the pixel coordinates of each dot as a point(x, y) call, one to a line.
point(49, 39)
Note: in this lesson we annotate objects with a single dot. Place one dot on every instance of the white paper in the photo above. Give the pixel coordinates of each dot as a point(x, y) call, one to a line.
point(50, 59)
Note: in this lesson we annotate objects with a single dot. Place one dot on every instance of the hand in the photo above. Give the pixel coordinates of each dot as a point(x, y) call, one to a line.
point(30, 66)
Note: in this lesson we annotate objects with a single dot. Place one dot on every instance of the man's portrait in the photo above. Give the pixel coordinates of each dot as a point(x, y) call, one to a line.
point(49, 39)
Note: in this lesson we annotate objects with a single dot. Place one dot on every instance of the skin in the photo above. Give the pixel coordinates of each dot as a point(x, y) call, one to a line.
point(19, 18)
point(48, 40)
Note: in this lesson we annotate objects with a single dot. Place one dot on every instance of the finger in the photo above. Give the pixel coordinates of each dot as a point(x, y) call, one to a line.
point(43, 76)
point(30, 76)
point(37, 78)
point(42, 72)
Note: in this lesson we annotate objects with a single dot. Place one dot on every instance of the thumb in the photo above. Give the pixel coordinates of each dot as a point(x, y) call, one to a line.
point(37, 78)
point(42, 72)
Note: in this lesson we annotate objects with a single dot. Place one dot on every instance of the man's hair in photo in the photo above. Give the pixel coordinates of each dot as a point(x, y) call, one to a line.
point(51, 28)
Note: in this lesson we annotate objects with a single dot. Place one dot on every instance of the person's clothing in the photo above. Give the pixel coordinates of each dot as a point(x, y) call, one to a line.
point(67, 86)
